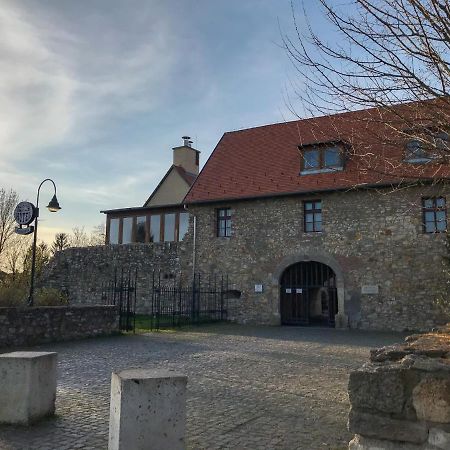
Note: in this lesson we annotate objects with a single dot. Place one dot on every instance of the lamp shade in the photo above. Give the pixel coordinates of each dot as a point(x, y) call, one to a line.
point(53, 206)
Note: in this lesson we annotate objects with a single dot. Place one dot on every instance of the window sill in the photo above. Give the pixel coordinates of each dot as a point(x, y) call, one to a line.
point(419, 160)
point(324, 170)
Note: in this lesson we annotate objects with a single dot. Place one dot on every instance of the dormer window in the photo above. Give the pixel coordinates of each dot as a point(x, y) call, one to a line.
point(416, 152)
point(321, 158)
point(428, 146)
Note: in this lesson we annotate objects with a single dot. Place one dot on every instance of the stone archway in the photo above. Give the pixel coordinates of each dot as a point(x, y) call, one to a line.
point(341, 319)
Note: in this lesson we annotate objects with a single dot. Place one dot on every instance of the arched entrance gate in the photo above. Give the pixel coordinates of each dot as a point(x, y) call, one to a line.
point(308, 294)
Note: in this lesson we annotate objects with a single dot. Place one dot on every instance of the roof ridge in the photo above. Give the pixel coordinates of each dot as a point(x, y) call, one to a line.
point(289, 122)
point(328, 116)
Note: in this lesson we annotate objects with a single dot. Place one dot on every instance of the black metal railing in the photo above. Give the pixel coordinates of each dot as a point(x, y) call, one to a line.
point(176, 301)
point(121, 291)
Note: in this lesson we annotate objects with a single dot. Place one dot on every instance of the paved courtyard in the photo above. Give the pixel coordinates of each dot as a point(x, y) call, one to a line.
point(248, 388)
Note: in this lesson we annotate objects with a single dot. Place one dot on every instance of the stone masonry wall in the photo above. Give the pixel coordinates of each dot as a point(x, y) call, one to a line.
point(81, 272)
point(374, 238)
point(27, 326)
point(401, 399)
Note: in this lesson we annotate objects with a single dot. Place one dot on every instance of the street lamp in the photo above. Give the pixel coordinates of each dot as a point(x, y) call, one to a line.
point(53, 206)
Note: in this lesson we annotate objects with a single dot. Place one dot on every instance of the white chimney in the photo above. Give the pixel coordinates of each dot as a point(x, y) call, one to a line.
point(187, 157)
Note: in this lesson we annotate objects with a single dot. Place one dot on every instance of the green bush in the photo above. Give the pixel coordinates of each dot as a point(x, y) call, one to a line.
point(50, 297)
point(12, 295)
point(17, 295)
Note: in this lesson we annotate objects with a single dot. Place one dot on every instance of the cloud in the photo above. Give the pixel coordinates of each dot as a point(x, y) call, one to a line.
point(35, 90)
point(60, 83)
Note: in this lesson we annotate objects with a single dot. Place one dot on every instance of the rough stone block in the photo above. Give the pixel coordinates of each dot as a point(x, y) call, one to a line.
point(364, 443)
point(381, 427)
point(148, 410)
point(439, 438)
point(379, 390)
point(431, 399)
point(27, 387)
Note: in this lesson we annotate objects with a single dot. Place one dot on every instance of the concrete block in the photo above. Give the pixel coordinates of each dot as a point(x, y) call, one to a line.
point(148, 410)
point(27, 387)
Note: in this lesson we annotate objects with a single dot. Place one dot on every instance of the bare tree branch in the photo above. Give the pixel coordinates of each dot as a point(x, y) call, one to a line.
point(8, 202)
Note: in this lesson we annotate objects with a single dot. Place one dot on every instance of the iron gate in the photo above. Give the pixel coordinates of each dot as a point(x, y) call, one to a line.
point(308, 294)
point(121, 292)
point(177, 302)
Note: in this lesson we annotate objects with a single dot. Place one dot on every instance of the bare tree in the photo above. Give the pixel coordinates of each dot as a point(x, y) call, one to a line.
point(98, 235)
point(79, 237)
point(8, 201)
point(15, 255)
point(383, 53)
point(43, 256)
point(61, 242)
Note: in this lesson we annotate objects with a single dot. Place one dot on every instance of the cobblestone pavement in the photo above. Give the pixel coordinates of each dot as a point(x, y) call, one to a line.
point(248, 388)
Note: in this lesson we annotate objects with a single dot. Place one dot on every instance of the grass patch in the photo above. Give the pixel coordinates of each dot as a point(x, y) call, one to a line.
point(146, 322)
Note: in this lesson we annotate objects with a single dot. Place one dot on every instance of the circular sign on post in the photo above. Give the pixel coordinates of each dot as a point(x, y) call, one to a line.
point(24, 213)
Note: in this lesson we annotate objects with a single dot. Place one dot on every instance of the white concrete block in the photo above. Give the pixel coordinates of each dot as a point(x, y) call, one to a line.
point(148, 410)
point(27, 386)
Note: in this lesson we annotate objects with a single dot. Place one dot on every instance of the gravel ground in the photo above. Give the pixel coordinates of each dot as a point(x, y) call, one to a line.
point(248, 388)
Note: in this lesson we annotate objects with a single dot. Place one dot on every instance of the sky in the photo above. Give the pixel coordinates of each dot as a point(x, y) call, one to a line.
point(94, 94)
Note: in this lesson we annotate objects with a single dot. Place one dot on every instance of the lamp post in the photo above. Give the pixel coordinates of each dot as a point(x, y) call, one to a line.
point(53, 206)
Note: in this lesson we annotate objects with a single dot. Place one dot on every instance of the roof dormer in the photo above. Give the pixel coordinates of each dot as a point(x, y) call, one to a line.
point(322, 157)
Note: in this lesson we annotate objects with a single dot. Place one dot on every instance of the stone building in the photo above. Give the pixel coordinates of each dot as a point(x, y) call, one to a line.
point(338, 220)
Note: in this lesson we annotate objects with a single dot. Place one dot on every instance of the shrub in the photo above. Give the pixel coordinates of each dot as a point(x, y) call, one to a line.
point(50, 297)
point(17, 295)
point(12, 295)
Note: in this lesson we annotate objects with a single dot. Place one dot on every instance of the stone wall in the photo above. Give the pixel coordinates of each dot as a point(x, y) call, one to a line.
point(81, 272)
point(25, 326)
point(369, 238)
point(401, 399)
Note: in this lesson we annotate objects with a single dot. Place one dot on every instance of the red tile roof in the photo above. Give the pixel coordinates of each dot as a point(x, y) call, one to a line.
point(187, 176)
point(265, 161)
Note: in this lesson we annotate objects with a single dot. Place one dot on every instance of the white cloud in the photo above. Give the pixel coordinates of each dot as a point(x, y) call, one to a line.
point(58, 85)
point(35, 90)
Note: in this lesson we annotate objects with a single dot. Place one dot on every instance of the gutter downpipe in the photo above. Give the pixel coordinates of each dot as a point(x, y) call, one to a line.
point(194, 246)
